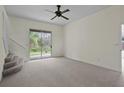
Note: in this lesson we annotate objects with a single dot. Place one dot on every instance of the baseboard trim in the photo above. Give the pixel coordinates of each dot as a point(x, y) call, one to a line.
point(94, 65)
point(30, 59)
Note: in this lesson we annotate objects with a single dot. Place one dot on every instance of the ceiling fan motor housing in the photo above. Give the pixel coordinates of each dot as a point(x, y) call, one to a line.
point(58, 13)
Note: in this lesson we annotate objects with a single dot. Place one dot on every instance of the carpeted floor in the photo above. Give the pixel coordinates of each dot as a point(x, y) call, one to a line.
point(62, 72)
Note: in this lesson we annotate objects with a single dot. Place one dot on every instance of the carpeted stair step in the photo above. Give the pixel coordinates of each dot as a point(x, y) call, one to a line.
point(11, 63)
point(9, 58)
point(13, 69)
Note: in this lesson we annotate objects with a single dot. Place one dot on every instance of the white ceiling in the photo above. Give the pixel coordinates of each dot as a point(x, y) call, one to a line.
point(38, 13)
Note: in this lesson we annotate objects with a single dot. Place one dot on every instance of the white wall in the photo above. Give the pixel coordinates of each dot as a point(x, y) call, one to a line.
point(20, 33)
point(3, 54)
point(95, 39)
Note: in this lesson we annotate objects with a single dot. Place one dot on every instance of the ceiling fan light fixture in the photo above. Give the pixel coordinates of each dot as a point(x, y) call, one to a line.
point(59, 13)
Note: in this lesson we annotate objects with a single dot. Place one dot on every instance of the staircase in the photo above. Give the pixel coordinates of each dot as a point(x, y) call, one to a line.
point(12, 64)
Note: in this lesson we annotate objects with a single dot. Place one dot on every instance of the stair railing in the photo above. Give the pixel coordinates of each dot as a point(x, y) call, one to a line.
point(17, 43)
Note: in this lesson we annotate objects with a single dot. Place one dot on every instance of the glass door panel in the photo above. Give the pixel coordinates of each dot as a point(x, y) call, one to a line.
point(46, 44)
point(35, 44)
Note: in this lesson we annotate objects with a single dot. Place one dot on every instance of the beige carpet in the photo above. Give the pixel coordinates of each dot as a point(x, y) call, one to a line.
point(62, 72)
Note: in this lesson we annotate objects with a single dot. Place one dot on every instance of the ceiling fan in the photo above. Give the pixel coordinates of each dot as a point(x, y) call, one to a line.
point(59, 13)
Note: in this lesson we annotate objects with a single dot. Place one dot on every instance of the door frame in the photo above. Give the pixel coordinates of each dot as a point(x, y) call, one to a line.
point(44, 31)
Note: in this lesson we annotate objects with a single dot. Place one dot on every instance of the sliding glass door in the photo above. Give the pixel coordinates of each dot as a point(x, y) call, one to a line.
point(46, 44)
point(40, 44)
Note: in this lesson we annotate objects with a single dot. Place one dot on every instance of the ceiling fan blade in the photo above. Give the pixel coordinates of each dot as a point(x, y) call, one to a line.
point(65, 17)
point(53, 17)
point(67, 10)
point(49, 11)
